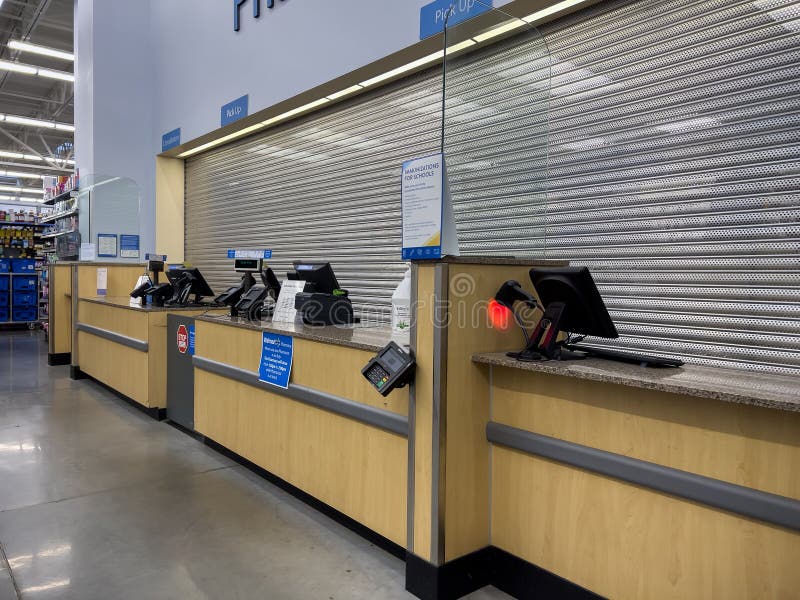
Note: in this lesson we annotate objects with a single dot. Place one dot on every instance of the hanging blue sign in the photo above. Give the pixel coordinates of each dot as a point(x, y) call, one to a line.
point(233, 111)
point(191, 340)
point(432, 16)
point(276, 359)
point(171, 139)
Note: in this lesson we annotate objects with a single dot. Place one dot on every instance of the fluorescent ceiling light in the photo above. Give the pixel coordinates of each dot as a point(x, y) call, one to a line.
point(20, 190)
point(345, 92)
point(7, 65)
point(20, 199)
point(50, 73)
point(37, 123)
point(500, 30)
point(22, 175)
point(21, 156)
point(550, 10)
point(43, 50)
point(404, 69)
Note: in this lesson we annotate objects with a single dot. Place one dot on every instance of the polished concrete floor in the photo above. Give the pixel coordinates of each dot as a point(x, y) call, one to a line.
point(98, 501)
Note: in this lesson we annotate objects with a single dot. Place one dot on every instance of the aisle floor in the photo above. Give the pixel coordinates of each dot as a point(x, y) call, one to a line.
point(99, 501)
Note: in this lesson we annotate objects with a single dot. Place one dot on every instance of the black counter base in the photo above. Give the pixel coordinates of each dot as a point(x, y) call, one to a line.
point(55, 360)
point(327, 510)
point(159, 414)
point(76, 373)
point(488, 566)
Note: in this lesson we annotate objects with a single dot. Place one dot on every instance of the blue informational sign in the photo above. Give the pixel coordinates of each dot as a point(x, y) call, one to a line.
point(107, 245)
point(432, 16)
point(191, 340)
point(233, 111)
point(249, 254)
point(276, 359)
point(161, 257)
point(128, 246)
point(171, 139)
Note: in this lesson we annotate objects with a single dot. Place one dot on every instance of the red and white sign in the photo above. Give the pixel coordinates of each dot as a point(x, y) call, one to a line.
point(183, 339)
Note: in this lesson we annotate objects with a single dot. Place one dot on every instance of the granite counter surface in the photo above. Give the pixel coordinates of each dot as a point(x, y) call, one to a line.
point(124, 302)
point(366, 336)
point(780, 392)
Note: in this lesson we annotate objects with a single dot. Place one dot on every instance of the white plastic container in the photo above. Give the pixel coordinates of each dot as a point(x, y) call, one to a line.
point(401, 311)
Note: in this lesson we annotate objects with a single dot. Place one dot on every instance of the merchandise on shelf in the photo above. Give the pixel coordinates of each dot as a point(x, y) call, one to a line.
point(63, 184)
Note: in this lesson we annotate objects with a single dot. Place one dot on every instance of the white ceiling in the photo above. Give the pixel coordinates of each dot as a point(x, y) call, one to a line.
point(46, 23)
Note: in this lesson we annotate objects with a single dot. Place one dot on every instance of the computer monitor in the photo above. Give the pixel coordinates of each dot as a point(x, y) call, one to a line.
point(584, 311)
point(319, 274)
point(186, 282)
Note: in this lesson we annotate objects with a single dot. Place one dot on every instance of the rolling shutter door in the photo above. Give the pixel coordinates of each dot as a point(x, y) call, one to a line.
point(672, 172)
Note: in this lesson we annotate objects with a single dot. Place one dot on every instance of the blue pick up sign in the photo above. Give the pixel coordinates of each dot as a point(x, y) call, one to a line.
point(432, 16)
point(233, 111)
point(276, 359)
point(249, 253)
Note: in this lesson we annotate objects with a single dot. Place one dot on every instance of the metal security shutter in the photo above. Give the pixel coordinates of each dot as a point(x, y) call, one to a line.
point(672, 172)
point(324, 188)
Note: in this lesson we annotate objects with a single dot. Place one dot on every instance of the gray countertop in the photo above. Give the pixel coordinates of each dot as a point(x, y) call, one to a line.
point(124, 302)
point(781, 392)
point(362, 336)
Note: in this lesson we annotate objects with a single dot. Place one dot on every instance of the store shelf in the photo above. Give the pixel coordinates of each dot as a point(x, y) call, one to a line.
point(61, 196)
point(42, 223)
point(48, 236)
point(60, 215)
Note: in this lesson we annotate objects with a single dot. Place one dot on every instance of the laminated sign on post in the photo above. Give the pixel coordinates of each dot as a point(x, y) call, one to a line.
point(429, 229)
point(276, 359)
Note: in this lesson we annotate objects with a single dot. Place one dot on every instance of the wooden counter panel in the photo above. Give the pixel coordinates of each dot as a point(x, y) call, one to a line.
point(626, 542)
point(323, 367)
point(423, 421)
point(746, 445)
point(469, 331)
point(357, 469)
point(60, 319)
point(124, 322)
point(121, 279)
point(121, 368)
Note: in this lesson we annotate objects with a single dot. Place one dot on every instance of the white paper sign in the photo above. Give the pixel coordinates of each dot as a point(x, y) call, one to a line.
point(88, 251)
point(285, 311)
point(428, 225)
point(102, 281)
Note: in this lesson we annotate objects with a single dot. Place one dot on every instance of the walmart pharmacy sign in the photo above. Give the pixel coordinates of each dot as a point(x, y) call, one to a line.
point(237, 10)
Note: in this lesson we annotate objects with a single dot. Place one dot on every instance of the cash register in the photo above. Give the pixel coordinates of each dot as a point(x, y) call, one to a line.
point(322, 302)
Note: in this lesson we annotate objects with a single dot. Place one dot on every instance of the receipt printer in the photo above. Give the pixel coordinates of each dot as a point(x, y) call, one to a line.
point(391, 368)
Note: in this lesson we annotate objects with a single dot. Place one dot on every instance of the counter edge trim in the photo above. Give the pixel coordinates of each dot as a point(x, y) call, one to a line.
point(123, 340)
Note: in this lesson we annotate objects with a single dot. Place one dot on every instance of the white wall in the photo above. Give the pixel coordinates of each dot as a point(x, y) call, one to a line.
point(149, 67)
point(114, 97)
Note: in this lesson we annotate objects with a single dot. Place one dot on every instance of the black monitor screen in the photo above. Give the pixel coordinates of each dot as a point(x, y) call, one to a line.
point(319, 274)
point(585, 312)
point(199, 285)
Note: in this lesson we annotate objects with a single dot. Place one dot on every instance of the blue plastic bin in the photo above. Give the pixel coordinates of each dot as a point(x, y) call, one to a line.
point(3, 315)
point(24, 283)
point(24, 314)
point(4, 283)
point(3, 299)
point(24, 299)
point(5, 265)
point(23, 265)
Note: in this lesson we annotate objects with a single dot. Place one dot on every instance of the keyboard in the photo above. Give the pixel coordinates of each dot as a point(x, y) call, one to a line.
point(646, 360)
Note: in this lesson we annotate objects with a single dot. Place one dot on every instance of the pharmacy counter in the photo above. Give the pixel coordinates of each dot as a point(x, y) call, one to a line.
point(124, 346)
point(638, 482)
point(329, 434)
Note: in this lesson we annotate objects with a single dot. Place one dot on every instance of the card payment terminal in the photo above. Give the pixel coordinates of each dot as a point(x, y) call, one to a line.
point(391, 368)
